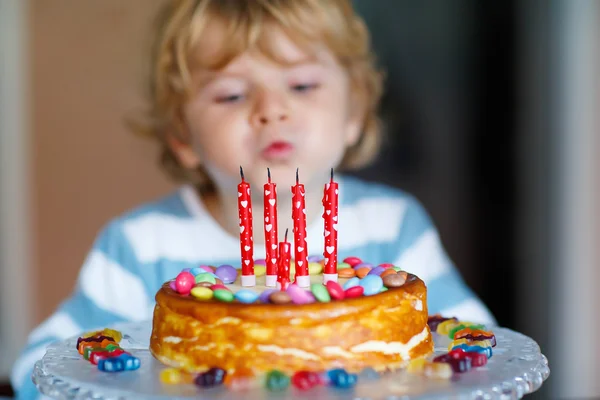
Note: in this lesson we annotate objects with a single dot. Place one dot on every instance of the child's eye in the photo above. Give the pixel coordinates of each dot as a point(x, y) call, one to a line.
point(304, 87)
point(232, 98)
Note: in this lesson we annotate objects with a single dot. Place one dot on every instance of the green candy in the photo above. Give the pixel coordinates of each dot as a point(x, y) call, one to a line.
point(205, 277)
point(397, 269)
point(463, 326)
point(112, 347)
point(223, 295)
point(277, 381)
point(88, 351)
point(321, 293)
point(383, 289)
point(343, 266)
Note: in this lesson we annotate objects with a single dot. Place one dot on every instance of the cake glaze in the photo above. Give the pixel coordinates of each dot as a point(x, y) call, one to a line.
point(381, 331)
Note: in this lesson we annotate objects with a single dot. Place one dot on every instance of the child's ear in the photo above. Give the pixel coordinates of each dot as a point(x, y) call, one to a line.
point(184, 152)
point(354, 124)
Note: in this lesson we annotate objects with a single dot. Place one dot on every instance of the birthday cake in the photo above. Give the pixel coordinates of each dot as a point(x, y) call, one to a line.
point(296, 329)
point(318, 315)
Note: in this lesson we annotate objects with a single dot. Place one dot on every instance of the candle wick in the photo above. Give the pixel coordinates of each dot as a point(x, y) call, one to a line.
point(269, 174)
point(297, 176)
point(285, 237)
point(331, 175)
point(241, 172)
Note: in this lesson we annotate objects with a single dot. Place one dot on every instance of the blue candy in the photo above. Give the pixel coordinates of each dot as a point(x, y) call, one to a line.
point(341, 379)
point(372, 284)
point(124, 362)
point(246, 296)
point(351, 283)
point(475, 349)
point(196, 270)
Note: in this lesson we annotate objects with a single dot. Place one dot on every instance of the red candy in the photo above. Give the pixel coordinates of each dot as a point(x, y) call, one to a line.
point(335, 290)
point(477, 359)
point(352, 261)
point(355, 291)
point(217, 286)
point(184, 282)
point(96, 356)
point(305, 380)
point(386, 265)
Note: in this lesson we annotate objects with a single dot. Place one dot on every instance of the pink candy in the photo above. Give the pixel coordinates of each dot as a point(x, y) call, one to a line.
point(299, 295)
point(335, 290)
point(184, 282)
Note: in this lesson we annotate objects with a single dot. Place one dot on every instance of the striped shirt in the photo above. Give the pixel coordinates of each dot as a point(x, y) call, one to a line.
point(137, 252)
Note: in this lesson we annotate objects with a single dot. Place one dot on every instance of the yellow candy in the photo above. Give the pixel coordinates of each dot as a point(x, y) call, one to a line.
point(445, 327)
point(458, 342)
point(314, 268)
point(201, 293)
point(416, 366)
point(174, 376)
point(437, 370)
point(113, 334)
point(260, 270)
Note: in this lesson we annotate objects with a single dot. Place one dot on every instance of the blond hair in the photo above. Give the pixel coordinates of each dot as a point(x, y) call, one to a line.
point(180, 25)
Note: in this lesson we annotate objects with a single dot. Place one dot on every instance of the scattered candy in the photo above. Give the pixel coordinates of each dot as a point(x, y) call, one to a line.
point(354, 291)
point(434, 320)
point(386, 265)
point(363, 265)
point(362, 272)
point(207, 268)
point(174, 376)
point(205, 277)
point(311, 259)
point(416, 365)
point(104, 341)
point(352, 261)
point(299, 295)
point(320, 292)
point(397, 269)
point(305, 380)
point(211, 378)
point(389, 271)
point(226, 273)
point(242, 379)
point(223, 295)
point(197, 270)
point(314, 268)
point(201, 293)
point(341, 379)
point(477, 359)
point(246, 296)
point(343, 265)
point(444, 327)
point(277, 381)
point(184, 282)
point(96, 356)
point(372, 284)
point(173, 285)
point(351, 283)
point(346, 273)
point(278, 297)
point(89, 350)
point(437, 370)
point(260, 270)
point(335, 290)
point(260, 261)
point(475, 349)
point(460, 365)
point(393, 280)
point(462, 325)
point(264, 296)
point(124, 362)
point(376, 271)
point(217, 286)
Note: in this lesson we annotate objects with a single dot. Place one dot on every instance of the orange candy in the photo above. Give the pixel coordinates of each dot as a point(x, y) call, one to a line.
point(474, 332)
point(346, 273)
point(102, 344)
point(362, 272)
point(387, 272)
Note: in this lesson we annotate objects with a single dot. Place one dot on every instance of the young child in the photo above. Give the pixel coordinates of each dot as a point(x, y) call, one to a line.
point(260, 84)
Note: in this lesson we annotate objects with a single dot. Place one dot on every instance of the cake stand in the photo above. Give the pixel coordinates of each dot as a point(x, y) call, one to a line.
point(516, 368)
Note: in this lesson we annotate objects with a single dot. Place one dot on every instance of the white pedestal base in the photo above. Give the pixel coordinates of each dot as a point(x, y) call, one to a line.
point(303, 281)
point(329, 277)
point(248, 280)
point(271, 281)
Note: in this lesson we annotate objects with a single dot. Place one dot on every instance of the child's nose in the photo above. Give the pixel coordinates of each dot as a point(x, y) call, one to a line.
point(270, 109)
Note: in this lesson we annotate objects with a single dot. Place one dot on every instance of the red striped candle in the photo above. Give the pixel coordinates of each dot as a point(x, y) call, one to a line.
point(270, 201)
point(330, 217)
point(246, 246)
point(283, 263)
point(300, 246)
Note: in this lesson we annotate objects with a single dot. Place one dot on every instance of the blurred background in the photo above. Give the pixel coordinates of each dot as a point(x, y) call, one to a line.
point(492, 120)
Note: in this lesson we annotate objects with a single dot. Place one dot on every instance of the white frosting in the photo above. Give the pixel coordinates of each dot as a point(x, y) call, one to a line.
point(172, 339)
point(287, 351)
point(391, 347)
point(418, 304)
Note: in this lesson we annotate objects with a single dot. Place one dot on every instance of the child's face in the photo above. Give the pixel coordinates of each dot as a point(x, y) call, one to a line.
point(257, 113)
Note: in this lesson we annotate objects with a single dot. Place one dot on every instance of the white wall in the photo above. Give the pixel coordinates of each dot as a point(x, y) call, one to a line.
point(15, 244)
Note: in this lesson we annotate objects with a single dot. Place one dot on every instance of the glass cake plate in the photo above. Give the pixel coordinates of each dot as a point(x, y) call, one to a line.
point(516, 368)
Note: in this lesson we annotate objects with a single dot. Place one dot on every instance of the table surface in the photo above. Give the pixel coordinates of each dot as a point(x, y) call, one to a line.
point(516, 368)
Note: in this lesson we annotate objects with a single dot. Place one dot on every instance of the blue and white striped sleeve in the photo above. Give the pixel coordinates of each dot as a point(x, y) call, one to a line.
point(419, 250)
point(109, 289)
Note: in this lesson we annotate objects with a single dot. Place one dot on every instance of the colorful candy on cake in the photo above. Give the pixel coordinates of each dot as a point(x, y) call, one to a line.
point(301, 321)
